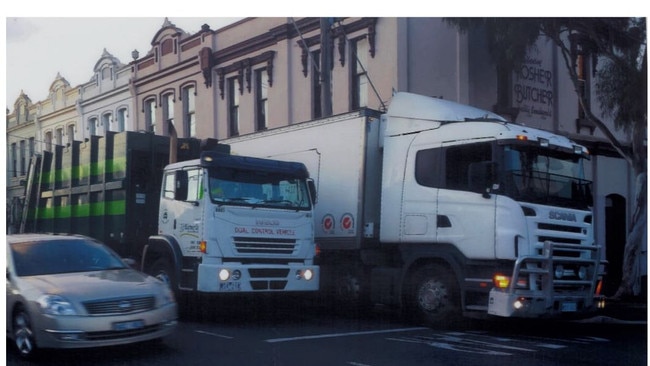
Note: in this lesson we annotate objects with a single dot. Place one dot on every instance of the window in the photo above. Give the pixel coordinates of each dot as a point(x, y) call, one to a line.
point(106, 73)
point(358, 62)
point(261, 96)
point(92, 126)
point(168, 109)
point(150, 115)
point(233, 106)
point(14, 160)
point(70, 134)
point(316, 91)
point(167, 47)
point(462, 162)
point(189, 112)
point(23, 158)
point(183, 185)
point(583, 82)
point(48, 141)
point(107, 119)
point(121, 120)
point(59, 136)
point(194, 191)
point(427, 167)
point(32, 146)
point(169, 185)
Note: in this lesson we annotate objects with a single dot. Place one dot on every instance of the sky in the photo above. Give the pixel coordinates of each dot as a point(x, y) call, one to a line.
point(39, 48)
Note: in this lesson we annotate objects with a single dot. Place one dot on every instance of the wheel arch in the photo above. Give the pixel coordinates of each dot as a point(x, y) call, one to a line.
point(161, 246)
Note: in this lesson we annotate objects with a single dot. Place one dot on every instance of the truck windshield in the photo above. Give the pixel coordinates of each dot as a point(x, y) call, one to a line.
point(258, 189)
point(536, 175)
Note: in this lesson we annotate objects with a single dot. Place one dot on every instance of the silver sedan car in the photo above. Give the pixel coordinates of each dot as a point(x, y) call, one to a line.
point(70, 291)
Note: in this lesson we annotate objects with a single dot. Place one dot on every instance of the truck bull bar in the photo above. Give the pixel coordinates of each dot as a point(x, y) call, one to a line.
point(562, 281)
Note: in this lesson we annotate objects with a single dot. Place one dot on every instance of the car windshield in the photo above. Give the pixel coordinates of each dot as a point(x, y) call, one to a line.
point(62, 256)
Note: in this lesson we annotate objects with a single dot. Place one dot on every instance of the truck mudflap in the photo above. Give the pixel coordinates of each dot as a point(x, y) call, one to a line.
point(240, 278)
point(561, 282)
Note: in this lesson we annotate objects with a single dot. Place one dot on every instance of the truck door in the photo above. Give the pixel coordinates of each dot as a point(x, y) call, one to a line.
point(420, 193)
point(466, 210)
point(181, 209)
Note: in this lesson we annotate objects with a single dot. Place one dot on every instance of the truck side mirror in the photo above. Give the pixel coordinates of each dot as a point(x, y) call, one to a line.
point(312, 190)
point(180, 189)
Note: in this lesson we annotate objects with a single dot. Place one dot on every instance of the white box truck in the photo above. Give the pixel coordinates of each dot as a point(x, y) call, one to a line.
point(443, 209)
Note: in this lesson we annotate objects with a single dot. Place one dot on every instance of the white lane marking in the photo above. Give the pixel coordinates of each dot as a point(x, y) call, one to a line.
point(502, 339)
point(335, 335)
point(357, 363)
point(213, 334)
point(460, 347)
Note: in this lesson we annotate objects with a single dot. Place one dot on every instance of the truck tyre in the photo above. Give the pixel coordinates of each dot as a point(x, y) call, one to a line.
point(350, 295)
point(432, 297)
point(164, 271)
point(187, 303)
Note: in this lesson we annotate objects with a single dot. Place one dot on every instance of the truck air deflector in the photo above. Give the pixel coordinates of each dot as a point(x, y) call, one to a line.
point(218, 160)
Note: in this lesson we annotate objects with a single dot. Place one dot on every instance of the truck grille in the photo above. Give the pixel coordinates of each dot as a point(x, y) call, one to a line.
point(271, 246)
point(122, 305)
point(563, 234)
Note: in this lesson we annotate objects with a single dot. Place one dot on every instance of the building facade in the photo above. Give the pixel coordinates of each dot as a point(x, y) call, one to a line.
point(263, 73)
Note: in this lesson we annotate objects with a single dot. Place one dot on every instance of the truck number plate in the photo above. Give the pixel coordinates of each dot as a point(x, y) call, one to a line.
point(135, 324)
point(569, 306)
point(230, 286)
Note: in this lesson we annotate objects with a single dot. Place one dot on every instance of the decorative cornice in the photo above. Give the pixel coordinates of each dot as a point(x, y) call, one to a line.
point(244, 71)
point(341, 33)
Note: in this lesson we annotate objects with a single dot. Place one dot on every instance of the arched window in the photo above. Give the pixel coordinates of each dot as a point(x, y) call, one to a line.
point(121, 119)
point(106, 73)
point(107, 120)
point(168, 109)
point(150, 115)
point(92, 126)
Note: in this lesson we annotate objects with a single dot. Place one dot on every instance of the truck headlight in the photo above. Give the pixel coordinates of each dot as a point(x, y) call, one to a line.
point(307, 274)
point(582, 273)
point(559, 271)
point(224, 274)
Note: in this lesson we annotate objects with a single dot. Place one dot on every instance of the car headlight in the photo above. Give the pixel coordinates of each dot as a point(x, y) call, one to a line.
point(56, 305)
point(166, 296)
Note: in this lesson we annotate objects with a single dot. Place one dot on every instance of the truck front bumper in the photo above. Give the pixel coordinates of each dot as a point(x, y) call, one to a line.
point(517, 305)
point(241, 278)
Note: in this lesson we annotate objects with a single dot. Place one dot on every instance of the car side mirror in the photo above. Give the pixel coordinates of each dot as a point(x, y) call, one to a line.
point(131, 262)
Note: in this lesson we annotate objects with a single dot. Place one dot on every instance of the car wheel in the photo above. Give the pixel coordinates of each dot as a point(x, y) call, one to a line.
point(432, 298)
point(24, 334)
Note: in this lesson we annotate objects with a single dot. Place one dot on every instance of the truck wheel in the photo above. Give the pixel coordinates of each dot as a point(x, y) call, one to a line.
point(351, 298)
point(24, 334)
point(432, 297)
point(163, 270)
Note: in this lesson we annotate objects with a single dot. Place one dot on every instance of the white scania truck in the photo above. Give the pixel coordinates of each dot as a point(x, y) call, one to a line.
point(445, 209)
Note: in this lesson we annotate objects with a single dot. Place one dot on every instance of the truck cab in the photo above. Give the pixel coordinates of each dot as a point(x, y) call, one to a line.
point(234, 224)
